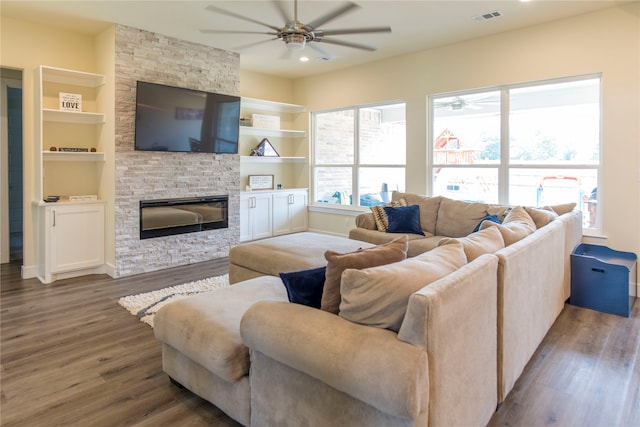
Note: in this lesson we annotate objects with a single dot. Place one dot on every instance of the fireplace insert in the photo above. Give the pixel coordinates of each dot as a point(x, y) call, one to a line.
point(166, 217)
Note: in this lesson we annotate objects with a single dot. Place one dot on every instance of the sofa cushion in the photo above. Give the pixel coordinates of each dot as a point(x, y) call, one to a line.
point(396, 250)
point(541, 217)
point(403, 219)
point(428, 209)
point(457, 218)
point(380, 214)
point(378, 296)
point(563, 208)
point(305, 286)
point(516, 226)
point(486, 241)
point(206, 327)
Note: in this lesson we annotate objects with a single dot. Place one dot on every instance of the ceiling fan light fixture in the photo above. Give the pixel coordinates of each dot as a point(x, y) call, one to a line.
point(294, 41)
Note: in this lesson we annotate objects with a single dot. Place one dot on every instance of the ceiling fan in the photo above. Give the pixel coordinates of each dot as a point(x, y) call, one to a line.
point(296, 35)
point(474, 102)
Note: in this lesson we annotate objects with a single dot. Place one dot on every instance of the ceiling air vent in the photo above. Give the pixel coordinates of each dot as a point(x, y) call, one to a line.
point(487, 16)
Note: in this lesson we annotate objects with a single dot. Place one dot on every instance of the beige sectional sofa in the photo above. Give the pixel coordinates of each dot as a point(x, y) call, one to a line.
point(441, 351)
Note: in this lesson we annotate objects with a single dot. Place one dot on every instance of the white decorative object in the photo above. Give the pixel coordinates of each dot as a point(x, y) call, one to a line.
point(265, 121)
point(70, 101)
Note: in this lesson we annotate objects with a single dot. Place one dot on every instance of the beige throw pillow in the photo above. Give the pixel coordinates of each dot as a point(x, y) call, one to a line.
point(486, 241)
point(516, 225)
point(379, 296)
point(562, 209)
point(380, 216)
point(394, 251)
point(541, 217)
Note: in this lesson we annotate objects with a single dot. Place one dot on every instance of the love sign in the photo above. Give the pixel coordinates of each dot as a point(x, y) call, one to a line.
point(70, 101)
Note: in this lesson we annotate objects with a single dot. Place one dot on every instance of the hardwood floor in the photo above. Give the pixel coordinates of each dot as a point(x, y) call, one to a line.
point(71, 356)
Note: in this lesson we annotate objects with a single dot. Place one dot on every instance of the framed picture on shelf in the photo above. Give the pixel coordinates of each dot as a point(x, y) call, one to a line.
point(261, 182)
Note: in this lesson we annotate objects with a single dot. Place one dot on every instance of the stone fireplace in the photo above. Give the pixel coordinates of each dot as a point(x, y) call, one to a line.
point(154, 176)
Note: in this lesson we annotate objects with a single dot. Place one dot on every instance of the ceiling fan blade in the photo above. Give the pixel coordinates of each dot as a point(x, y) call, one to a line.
point(237, 32)
point(331, 16)
point(248, 45)
point(321, 33)
point(325, 55)
point(212, 8)
point(281, 10)
point(348, 44)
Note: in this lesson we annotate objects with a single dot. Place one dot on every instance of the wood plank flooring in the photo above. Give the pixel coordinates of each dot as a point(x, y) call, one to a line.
point(71, 356)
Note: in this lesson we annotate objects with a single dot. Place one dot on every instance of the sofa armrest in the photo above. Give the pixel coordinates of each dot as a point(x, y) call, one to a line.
point(365, 220)
point(367, 363)
point(455, 320)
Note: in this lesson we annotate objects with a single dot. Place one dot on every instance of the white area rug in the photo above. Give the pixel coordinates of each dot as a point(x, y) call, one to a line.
point(145, 306)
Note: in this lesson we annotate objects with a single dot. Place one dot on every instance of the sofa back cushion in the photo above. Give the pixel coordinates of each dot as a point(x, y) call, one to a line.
point(486, 241)
point(541, 216)
point(516, 225)
point(394, 251)
point(378, 296)
point(457, 218)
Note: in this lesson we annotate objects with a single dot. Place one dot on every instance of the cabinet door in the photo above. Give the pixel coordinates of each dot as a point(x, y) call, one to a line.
point(281, 203)
point(255, 217)
point(76, 237)
point(298, 218)
point(289, 212)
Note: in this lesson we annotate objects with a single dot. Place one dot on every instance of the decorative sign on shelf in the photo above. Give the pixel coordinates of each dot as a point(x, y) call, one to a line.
point(70, 101)
point(265, 121)
point(73, 149)
point(261, 182)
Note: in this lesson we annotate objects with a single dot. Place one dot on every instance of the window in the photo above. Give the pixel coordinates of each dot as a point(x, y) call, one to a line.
point(536, 144)
point(359, 154)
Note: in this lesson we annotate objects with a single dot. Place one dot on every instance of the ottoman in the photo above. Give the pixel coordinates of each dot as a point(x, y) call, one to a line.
point(201, 345)
point(286, 253)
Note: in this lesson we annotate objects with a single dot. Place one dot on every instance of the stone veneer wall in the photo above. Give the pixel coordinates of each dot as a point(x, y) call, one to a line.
point(141, 55)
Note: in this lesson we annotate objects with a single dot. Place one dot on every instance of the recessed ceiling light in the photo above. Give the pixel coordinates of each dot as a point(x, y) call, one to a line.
point(304, 59)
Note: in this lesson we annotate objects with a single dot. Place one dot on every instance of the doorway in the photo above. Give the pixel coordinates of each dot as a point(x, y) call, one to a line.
point(11, 186)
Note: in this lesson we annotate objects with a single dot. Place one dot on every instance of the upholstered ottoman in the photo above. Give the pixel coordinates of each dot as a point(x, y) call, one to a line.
point(201, 345)
point(290, 252)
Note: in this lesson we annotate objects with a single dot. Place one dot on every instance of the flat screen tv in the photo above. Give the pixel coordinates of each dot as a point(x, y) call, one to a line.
point(170, 118)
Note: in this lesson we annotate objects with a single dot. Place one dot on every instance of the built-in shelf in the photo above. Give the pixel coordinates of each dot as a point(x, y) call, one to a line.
point(72, 156)
point(284, 133)
point(71, 77)
point(281, 107)
point(266, 159)
point(81, 117)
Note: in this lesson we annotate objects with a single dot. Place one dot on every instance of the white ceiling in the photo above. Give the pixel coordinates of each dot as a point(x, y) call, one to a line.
point(416, 25)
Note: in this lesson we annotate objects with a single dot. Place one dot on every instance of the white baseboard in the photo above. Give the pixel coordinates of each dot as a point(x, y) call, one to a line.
point(29, 272)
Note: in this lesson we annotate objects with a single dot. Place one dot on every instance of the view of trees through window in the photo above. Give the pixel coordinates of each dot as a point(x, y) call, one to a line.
point(359, 154)
point(534, 145)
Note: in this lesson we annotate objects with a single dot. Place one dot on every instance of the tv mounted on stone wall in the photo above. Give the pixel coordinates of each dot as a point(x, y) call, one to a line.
point(170, 118)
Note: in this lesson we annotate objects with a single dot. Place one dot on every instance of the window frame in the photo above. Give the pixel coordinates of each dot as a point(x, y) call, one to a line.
point(505, 165)
point(356, 165)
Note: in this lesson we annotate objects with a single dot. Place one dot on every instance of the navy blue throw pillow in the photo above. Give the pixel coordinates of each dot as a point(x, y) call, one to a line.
point(404, 219)
point(492, 218)
point(305, 286)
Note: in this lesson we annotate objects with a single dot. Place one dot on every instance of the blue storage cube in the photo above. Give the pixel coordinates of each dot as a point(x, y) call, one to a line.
point(603, 279)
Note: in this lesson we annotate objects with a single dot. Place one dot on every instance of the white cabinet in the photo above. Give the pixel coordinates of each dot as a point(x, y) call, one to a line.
point(271, 213)
point(289, 211)
point(255, 216)
point(71, 240)
point(71, 149)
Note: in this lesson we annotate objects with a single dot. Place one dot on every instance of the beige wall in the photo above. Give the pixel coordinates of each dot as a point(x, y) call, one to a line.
point(606, 42)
